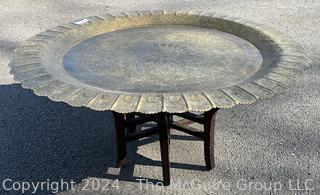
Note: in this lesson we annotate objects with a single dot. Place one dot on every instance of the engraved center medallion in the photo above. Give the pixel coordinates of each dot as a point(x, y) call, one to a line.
point(166, 58)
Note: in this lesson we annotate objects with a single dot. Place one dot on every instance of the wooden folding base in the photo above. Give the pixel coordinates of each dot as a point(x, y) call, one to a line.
point(125, 125)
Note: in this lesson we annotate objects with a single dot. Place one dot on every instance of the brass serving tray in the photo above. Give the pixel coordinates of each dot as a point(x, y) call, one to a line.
point(153, 61)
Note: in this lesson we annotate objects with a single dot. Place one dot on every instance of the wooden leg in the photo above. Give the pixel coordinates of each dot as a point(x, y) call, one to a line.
point(170, 121)
point(209, 123)
point(132, 128)
point(119, 122)
point(164, 138)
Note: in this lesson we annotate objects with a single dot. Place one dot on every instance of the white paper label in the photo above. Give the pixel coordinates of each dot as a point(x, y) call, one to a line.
point(80, 22)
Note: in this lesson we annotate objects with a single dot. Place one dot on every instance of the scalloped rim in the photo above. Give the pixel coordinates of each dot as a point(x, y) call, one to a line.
point(27, 69)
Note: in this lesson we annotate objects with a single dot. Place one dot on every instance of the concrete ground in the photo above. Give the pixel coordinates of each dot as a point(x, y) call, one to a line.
point(274, 142)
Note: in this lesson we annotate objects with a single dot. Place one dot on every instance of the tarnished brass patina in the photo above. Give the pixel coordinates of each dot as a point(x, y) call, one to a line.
point(153, 61)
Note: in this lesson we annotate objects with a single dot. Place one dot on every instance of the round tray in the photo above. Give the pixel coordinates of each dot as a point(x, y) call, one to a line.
point(158, 61)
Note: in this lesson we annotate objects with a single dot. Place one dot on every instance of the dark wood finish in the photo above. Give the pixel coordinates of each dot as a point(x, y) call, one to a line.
point(142, 134)
point(208, 126)
point(186, 129)
point(170, 121)
point(131, 127)
point(119, 122)
point(164, 122)
point(192, 117)
point(185, 121)
point(141, 114)
point(132, 121)
point(164, 137)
